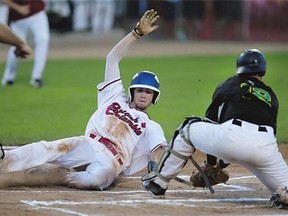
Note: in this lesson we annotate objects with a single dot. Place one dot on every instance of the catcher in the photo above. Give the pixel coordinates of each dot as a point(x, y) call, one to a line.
point(240, 127)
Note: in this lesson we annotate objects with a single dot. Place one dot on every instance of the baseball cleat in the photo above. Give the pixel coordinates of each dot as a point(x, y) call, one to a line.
point(7, 82)
point(2, 153)
point(275, 201)
point(37, 83)
point(154, 189)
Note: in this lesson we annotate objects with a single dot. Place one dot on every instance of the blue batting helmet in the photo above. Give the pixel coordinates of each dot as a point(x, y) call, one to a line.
point(145, 79)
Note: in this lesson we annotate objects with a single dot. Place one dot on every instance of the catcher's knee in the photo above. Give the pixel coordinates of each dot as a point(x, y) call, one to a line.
point(177, 149)
point(185, 126)
point(188, 121)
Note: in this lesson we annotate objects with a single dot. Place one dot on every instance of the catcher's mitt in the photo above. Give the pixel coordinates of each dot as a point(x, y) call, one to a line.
point(214, 174)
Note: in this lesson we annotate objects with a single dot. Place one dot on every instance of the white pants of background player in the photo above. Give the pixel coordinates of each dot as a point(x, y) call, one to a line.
point(3, 13)
point(102, 16)
point(81, 15)
point(39, 27)
point(255, 150)
point(68, 153)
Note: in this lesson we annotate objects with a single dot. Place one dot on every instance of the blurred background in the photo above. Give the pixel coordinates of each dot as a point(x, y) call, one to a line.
point(248, 20)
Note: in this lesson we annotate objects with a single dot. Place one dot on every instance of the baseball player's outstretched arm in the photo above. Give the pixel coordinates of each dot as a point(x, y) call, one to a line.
point(145, 26)
point(7, 36)
point(21, 9)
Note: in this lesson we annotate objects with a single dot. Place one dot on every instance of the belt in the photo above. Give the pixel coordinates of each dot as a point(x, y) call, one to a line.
point(240, 123)
point(110, 146)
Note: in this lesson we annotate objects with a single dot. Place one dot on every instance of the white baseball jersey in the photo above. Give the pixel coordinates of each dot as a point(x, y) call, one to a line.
point(132, 131)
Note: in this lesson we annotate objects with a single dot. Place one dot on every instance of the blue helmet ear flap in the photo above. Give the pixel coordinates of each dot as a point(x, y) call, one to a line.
point(145, 79)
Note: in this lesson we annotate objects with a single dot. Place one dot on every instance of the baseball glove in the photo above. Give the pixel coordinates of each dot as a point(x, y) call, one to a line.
point(147, 23)
point(214, 174)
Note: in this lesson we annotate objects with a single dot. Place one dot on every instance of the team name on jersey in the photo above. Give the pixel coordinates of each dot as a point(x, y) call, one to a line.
point(115, 109)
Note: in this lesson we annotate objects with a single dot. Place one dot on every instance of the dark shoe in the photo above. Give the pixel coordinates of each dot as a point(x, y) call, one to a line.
point(2, 153)
point(7, 83)
point(276, 202)
point(37, 83)
point(155, 190)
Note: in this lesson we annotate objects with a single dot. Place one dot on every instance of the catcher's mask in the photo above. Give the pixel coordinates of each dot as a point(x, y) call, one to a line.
point(145, 79)
point(251, 62)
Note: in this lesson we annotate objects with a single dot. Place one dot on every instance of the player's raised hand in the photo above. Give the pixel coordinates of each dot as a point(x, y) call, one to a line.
point(147, 23)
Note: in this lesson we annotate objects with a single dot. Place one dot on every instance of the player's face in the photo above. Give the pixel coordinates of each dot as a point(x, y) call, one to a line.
point(142, 98)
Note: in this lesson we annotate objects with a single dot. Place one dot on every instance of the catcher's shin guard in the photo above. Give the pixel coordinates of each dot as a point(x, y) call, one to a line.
point(171, 163)
point(185, 134)
point(2, 153)
point(173, 159)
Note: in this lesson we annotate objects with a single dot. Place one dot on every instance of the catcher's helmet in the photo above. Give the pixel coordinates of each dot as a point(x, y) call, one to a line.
point(145, 79)
point(251, 62)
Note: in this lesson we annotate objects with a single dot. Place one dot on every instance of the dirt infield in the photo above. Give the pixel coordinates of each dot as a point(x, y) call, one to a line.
point(242, 195)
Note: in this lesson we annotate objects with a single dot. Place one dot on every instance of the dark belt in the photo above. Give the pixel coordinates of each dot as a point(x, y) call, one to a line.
point(239, 123)
point(110, 146)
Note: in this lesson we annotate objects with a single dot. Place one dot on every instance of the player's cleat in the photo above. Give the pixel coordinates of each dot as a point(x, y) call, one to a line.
point(154, 189)
point(7, 82)
point(276, 202)
point(37, 83)
point(2, 153)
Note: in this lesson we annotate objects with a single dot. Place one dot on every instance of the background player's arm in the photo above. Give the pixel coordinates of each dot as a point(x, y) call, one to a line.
point(7, 36)
point(21, 9)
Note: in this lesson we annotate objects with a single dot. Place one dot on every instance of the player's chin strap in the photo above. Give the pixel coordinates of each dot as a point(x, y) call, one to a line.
point(169, 150)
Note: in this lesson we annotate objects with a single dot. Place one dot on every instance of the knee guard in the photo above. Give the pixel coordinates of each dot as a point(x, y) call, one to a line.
point(172, 161)
point(183, 128)
point(179, 162)
point(179, 159)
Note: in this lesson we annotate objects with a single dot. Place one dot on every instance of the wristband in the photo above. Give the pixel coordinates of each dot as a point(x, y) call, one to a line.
point(136, 30)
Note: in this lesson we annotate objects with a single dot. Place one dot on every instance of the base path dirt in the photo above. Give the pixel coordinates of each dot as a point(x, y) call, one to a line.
point(87, 45)
point(243, 194)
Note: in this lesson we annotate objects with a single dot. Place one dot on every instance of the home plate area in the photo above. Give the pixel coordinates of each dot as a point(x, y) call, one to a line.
point(242, 195)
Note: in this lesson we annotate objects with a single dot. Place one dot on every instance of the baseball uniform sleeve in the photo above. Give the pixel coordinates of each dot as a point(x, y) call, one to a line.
point(112, 71)
point(153, 139)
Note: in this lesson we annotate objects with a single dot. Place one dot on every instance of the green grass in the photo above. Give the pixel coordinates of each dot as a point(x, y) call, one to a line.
point(63, 107)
